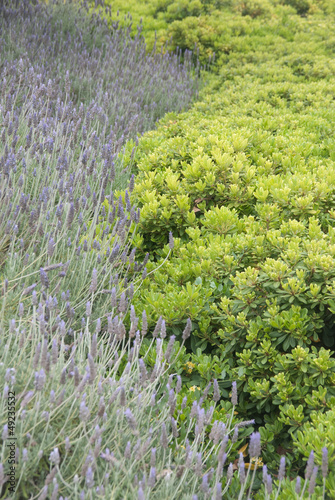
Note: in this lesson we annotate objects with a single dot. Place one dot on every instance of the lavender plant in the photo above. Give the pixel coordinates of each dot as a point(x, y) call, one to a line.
point(92, 422)
point(59, 159)
point(103, 68)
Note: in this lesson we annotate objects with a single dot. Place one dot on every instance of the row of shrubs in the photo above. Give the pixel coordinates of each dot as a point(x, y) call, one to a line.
point(226, 28)
point(245, 182)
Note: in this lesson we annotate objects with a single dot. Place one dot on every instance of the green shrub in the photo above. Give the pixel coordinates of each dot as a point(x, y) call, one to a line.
point(219, 26)
point(245, 182)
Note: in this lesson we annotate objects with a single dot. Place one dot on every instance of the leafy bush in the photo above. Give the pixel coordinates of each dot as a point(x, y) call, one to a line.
point(245, 182)
point(219, 26)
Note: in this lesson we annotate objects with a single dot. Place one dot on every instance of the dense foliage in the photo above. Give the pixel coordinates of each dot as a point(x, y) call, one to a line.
point(117, 401)
point(245, 182)
point(223, 27)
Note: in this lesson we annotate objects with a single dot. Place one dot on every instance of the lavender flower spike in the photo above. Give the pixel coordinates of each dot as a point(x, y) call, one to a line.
point(234, 394)
point(281, 472)
point(324, 466)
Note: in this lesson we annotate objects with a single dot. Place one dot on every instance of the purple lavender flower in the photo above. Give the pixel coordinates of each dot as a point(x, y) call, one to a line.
point(234, 394)
point(312, 482)
point(187, 330)
point(164, 437)
point(54, 456)
point(298, 485)
point(230, 472)
point(281, 472)
point(140, 494)
point(152, 477)
point(216, 392)
point(310, 465)
point(131, 419)
point(255, 445)
point(324, 466)
point(199, 464)
point(265, 474)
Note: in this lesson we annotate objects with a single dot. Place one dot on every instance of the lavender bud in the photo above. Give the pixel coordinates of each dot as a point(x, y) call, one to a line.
point(216, 393)
point(44, 278)
point(234, 394)
point(198, 467)
point(230, 472)
point(171, 242)
point(27, 398)
point(218, 492)
point(324, 466)
point(54, 457)
point(37, 355)
point(169, 348)
point(140, 494)
point(92, 367)
point(51, 246)
point(164, 438)
point(187, 330)
point(255, 445)
point(223, 449)
point(122, 303)
point(89, 478)
point(174, 428)
point(298, 485)
point(130, 418)
point(94, 283)
point(63, 377)
point(241, 469)
point(21, 310)
point(132, 183)
point(123, 400)
point(152, 477)
point(113, 298)
point(281, 473)
point(127, 451)
point(265, 474)
point(312, 483)
point(204, 485)
point(178, 386)
point(44, 493)
point(144, 324)
point(54, 352)
point(153, 457)
point(157, 327)
point(163, 329)
point(12, 326)
point(189, 457)
point(310, 465)
point(235, 435)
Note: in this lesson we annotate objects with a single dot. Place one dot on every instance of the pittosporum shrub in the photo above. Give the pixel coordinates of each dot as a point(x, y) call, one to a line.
point(245, 182)
point(222, 26)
